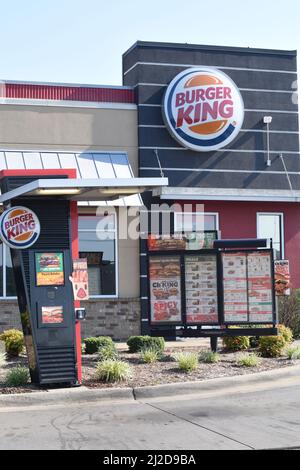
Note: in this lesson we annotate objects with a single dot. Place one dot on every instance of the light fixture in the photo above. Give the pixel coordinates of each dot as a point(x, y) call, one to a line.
point(58, 191)
point(267, 120)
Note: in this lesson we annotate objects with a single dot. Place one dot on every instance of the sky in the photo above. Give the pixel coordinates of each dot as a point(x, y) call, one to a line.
point(82, 41)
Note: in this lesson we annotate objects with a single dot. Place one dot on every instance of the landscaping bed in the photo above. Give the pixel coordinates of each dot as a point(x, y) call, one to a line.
point(166, 371)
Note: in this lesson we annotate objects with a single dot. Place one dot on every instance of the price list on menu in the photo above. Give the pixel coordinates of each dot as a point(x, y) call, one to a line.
point(165, 289)
point(260, 287)
point(235, 287)
point(201, 289)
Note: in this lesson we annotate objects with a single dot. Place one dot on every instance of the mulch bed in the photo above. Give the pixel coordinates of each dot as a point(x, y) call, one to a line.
point(166, 371)
point(162, 372)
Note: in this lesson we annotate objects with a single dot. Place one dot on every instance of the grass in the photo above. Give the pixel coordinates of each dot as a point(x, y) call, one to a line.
point(293, 353)
point(17, 377)
point(187, 361)
point(150, 355)
point(112, 370)
point(249, 360)
point(209, 357)
point(2, 359)
point(107, 352)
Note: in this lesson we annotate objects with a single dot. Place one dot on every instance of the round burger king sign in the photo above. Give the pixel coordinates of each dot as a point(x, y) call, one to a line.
point(19, 227)
point(203, 109)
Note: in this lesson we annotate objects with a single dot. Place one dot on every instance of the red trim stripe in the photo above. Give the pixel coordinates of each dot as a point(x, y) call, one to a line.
point(67, 93)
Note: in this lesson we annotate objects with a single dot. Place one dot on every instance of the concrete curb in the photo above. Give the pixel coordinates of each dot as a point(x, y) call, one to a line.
point(84, 394)
point(65, 396)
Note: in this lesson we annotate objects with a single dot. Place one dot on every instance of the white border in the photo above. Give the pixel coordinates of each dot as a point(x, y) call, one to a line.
point(281, 215)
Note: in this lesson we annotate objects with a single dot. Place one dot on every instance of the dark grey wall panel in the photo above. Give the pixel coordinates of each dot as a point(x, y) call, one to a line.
point(209, 55)
point(217, 160)
point(160, 137)
point(245, 157)
point(162, 75)
point(207, 179)
point(252, 99)
point(152, 115)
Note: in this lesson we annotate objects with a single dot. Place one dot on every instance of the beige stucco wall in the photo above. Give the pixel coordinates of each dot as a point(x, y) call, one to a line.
point(79, 129)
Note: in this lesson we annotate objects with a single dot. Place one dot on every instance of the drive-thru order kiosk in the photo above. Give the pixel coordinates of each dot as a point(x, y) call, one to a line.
point(39, 224)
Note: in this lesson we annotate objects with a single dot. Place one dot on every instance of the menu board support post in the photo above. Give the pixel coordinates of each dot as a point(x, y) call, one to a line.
point(214, 343)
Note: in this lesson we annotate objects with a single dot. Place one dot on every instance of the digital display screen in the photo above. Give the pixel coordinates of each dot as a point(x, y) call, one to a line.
point(49, 269)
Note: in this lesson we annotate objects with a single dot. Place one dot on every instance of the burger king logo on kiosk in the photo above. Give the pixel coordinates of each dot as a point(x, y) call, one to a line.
point(203, 109)
point(19, 227)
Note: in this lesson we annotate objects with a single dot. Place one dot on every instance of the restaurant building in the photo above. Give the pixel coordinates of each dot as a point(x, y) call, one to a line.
point(243, 179)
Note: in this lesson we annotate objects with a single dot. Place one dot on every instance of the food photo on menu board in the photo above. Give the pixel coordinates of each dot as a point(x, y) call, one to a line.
point(282, 277)
point(165, 289)
point(235, 287)
point(201, 289)
point(260, 287)
point(49, 269)
point(52, 315)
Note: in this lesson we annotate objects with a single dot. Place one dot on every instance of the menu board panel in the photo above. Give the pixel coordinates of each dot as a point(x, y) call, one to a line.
point(165, 289)
point(235, 287)
point(179, 242)
point(260, 287)
point(201, 289)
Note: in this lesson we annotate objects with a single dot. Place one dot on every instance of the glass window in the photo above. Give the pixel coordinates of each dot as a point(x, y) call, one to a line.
point(10, 281)
point(270, 225)
point(97, 243)
point(195, 222)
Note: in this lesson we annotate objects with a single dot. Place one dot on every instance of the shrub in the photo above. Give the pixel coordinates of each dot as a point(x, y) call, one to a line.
point(93, 344)
point(14, 342)
point(138, 343)
point(17, 377)
point(272, 346)
point(236, 343)
point(107, 352)
point(187, 361)
point(286, 333)
point(289, 311)
point(249, 360)
point(209, 357)
point(150, 355)
point(113, 371)
point(293, 352)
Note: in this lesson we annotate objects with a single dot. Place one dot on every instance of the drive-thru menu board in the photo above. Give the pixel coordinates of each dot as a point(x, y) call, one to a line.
point(165, 289)
point(235, 287)
point(260, 287)
point(201, 289)
point(248, 289)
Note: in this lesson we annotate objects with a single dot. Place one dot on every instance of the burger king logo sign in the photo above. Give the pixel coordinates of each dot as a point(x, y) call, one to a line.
point(19, 227)
point(203, 109)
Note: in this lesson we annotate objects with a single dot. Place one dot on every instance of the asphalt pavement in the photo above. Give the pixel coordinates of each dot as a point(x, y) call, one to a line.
point(243, 415)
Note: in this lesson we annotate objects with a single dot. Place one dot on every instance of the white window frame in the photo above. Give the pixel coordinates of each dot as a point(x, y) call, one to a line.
point(4, 249)
point(115, 231)
point(215, 214)
point(281, 215)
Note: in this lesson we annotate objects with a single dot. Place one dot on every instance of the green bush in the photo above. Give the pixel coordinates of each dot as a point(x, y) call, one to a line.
point(113, 371)
point(17, 377)
point(289, 311)
point(14, 342)
point(293, 353)
point(209, 357)
point(138, 343)
point(107, 352)
point(93, 344)
point(150, 355)
point(249, 360)
point(286, 333)
point(236, 343)
point(272, 346)
point(187, 361)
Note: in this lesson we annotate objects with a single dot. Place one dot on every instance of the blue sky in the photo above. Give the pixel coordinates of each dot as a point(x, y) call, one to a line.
point(82, 41)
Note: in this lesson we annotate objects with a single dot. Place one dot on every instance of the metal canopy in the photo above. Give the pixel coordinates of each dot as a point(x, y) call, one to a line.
point(85, 189)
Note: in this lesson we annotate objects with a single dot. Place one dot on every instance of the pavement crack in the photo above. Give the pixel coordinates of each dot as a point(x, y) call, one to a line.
point(200, 426)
